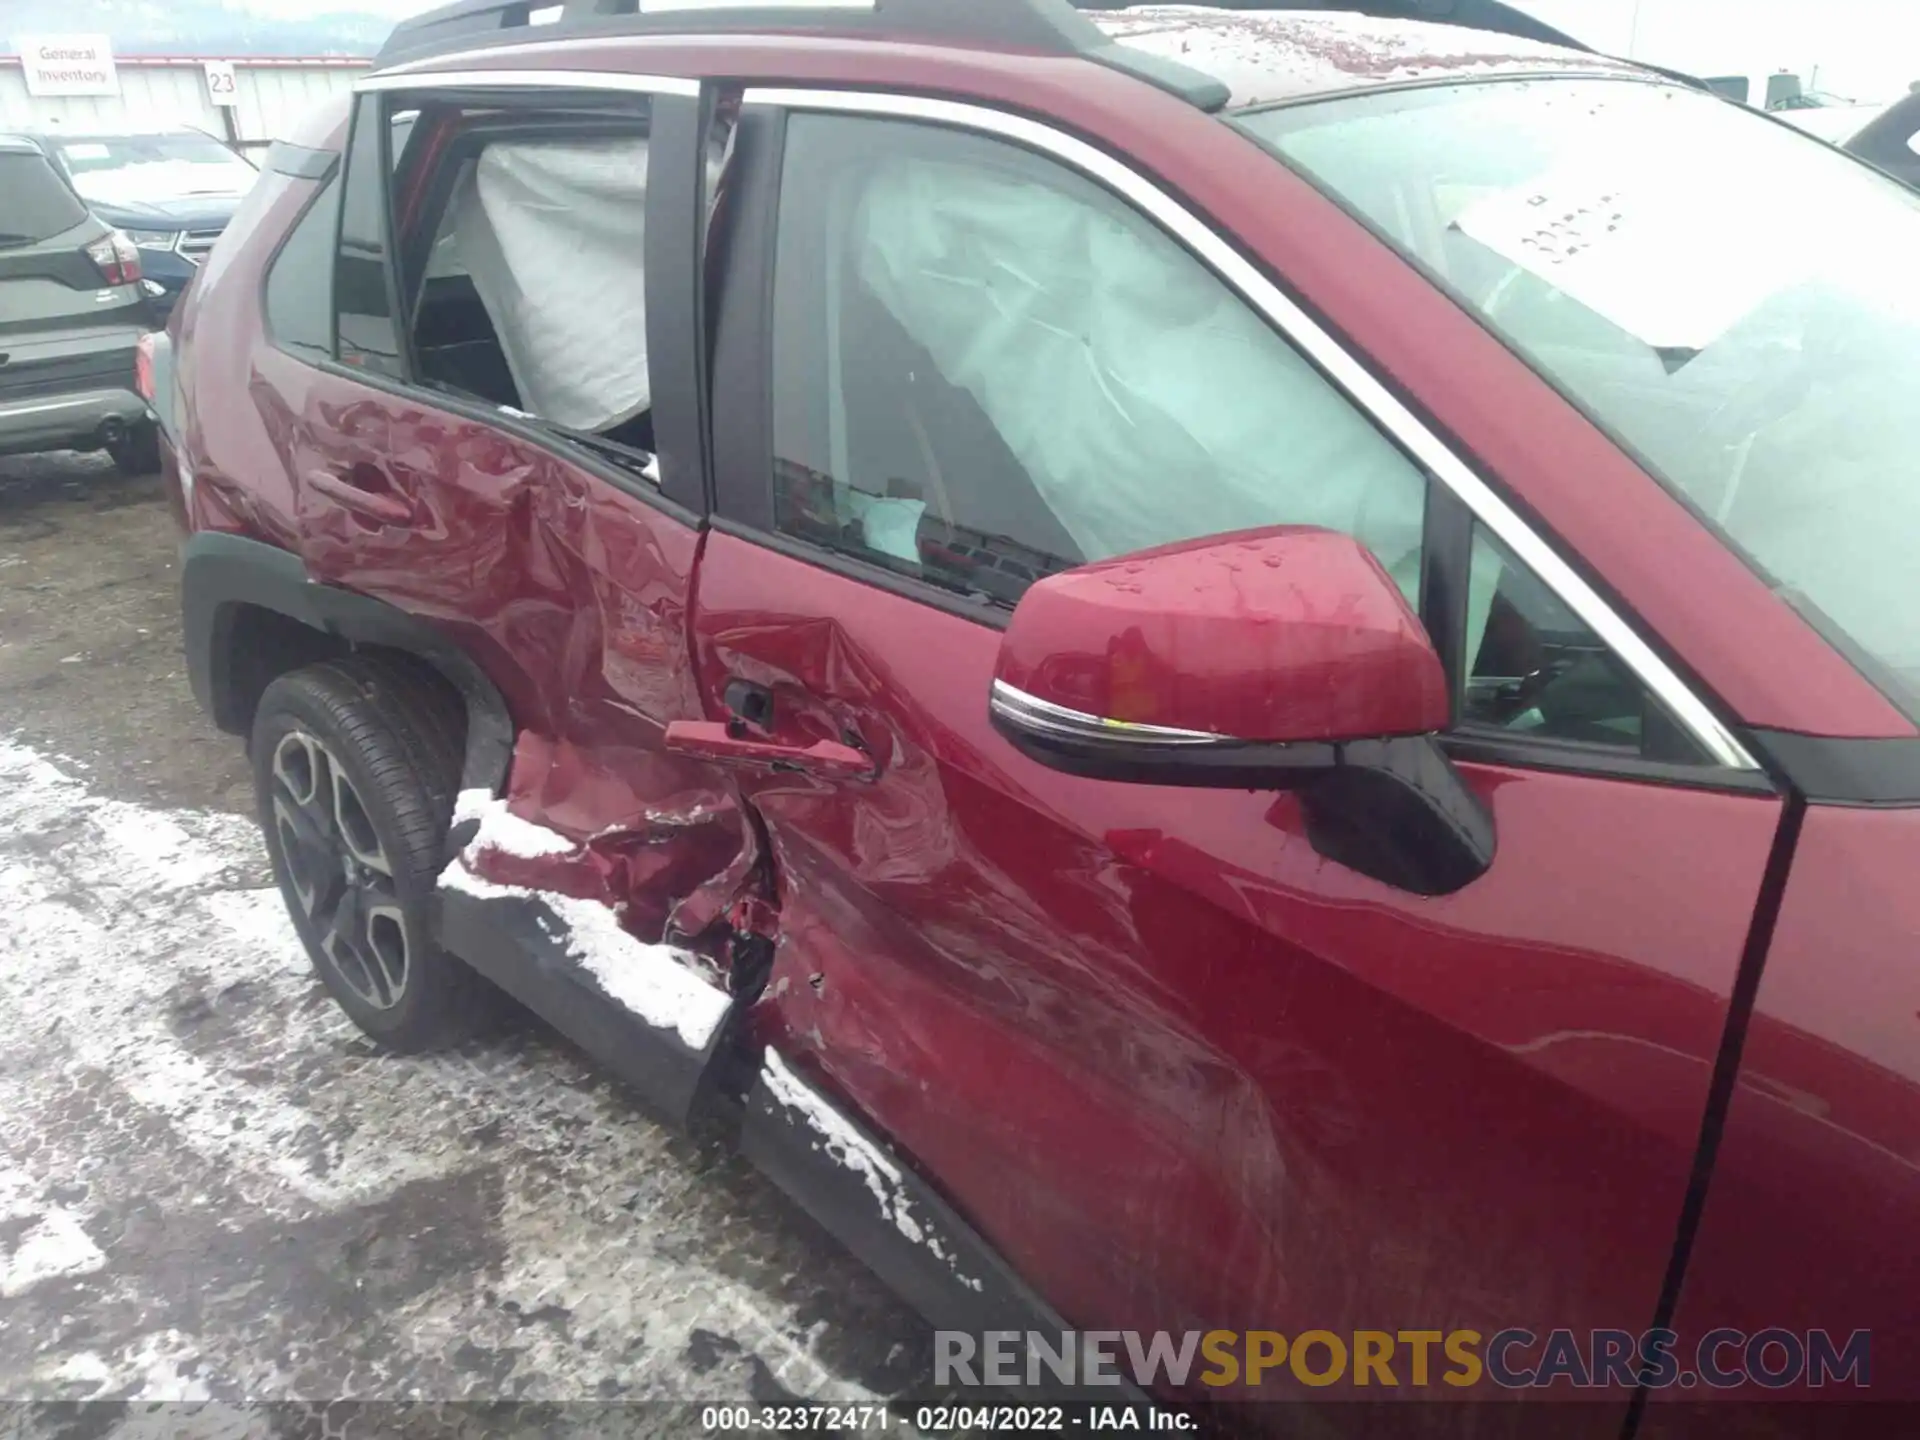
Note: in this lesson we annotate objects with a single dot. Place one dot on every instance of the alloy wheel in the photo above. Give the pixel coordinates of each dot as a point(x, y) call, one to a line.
point(341, 876)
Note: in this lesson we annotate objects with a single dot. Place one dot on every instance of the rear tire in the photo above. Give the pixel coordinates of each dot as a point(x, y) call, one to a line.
point(137, 452)
point(356, 765)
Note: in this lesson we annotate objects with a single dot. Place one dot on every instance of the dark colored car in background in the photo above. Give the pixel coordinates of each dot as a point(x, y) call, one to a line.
point(1195, 670)
point(72, 314)
point(171, 192)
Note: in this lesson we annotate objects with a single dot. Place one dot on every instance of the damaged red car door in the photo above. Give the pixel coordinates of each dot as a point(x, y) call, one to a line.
point(562, 560)
point(1186, 1069)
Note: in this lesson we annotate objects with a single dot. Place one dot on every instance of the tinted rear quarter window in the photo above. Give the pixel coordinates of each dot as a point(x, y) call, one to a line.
point(368, 336)
point(300, 284)
point(38, 204)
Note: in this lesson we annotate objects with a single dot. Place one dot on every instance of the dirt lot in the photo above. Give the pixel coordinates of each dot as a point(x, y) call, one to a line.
point(212, 1189)
point(90, 667)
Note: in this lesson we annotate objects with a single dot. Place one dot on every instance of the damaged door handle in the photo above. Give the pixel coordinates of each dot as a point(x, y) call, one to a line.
point(731, 744)
point(350, 493)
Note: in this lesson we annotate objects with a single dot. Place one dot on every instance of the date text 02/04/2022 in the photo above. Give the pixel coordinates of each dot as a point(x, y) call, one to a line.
point(945, 1419)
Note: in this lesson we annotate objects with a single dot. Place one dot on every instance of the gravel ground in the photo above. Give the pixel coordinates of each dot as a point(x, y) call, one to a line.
point(212, 1189)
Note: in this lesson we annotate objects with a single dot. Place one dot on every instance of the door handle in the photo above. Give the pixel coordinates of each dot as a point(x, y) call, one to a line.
point(350, 494)
point(730, 744)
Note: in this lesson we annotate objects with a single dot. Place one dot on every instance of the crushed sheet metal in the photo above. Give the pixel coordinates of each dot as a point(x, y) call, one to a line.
point(654, 982)
point(851, 1149)
point(212, 1186)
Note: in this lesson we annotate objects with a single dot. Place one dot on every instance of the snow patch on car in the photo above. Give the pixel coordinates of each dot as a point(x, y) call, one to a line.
point(848, 1147)
point(653, 982)
point(502, 830)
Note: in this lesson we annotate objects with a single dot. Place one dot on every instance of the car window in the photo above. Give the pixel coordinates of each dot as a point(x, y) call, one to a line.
point(363, 293)
point(987, 368)
point(1536, 671)
point(300, 282)
point(524, 235)
point(38, 204)
point(1761, 373)
point(123, 169)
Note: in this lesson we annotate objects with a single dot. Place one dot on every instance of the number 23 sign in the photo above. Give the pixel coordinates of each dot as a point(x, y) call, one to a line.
point(222, 89)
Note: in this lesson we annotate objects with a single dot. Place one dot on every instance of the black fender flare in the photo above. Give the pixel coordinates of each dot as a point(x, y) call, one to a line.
point(221, 573)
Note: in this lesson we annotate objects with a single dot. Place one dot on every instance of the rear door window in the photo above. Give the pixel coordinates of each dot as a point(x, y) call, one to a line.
point(38, 204)
point(495, 250)
point(523, 239)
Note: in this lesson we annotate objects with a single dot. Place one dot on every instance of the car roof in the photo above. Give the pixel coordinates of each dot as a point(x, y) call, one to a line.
point(1237, 53)
point(1277, 56)
point(108, 132)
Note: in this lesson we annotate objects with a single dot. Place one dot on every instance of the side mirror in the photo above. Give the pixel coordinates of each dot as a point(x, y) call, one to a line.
point(1281, 659)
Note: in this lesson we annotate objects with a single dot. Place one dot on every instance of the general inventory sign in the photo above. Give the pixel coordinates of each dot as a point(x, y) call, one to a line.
point(68, 64)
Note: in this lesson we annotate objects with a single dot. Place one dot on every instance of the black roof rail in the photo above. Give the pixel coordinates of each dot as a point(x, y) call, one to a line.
point(1050, 27)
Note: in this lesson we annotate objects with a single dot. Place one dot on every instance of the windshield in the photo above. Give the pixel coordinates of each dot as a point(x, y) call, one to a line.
point(1733, 301)
point(118, 169)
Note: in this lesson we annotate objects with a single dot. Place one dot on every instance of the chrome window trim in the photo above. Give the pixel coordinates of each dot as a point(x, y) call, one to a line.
point(1352, 377)
point(1030, 712)
point(410, 77)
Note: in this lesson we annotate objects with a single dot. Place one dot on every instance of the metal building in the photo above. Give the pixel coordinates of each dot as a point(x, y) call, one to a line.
point(268, 96)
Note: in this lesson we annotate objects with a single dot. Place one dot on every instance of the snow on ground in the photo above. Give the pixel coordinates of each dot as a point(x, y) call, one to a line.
point(212, 1186)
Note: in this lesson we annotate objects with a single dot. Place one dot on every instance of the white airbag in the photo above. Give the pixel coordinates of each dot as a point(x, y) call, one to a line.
point(554, 236)
point(1148, 402)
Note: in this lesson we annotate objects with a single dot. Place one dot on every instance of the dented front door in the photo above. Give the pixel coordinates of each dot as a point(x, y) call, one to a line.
point(1186, 1072)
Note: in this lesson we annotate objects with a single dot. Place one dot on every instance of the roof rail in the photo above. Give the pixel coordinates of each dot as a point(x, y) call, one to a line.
point(1049, 27)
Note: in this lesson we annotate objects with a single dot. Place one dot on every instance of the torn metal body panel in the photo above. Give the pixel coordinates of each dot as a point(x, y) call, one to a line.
point(545, 918)
point(594, 836)
point(573, 595)
point(595, 888)
point(644, 1011)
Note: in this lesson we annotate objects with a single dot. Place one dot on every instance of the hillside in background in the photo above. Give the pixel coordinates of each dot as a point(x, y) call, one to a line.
point(192, 27)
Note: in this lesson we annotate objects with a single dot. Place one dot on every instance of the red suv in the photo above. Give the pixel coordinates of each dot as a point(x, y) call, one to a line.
point(1199, 671)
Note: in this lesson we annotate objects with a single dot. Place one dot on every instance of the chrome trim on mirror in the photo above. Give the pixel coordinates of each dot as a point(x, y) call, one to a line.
point(412, 77)
point(1331, 356)
point(1030, 712)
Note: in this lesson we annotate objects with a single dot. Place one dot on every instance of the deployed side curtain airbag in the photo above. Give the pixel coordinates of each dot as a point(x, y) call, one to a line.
point(1148, 402)
point(554, 236)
